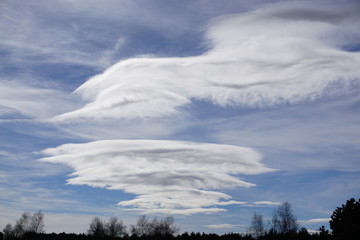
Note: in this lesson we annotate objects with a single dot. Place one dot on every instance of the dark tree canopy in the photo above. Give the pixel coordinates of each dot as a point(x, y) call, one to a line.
point(345, 220)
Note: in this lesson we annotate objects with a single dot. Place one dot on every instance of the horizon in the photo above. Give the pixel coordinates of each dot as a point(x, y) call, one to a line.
point(202, 110)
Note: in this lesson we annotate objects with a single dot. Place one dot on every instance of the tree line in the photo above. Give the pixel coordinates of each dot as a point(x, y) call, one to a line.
point(344, 223)
point(144, 227)
point(26, 224)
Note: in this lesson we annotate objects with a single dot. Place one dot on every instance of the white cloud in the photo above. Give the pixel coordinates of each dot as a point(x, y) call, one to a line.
point(35, 34)
point(168, 176)
point(18, 99)
point(261, 58)
point(270, 203)
point(322, 135)
point(222, 226)
point(87, 33)
point(5, 153)
point(315, 220)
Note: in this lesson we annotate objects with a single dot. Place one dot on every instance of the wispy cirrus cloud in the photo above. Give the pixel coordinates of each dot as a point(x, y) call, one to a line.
point(326, 132)
point(315, 220)
point(168, 176)
point(278, 58)
point(269, 203)
point(34, 35)
point(222, 226)
point(37, 34)
point(20, 100)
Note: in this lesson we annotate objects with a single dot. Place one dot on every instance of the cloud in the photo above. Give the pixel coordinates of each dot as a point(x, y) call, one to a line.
point(261, 58)
point(19, 100)
point(270, 203)
point(167, 176)
point(315, 220)
point(318, 136)
point(36, 35)
point(222, 226)
point(93, 35)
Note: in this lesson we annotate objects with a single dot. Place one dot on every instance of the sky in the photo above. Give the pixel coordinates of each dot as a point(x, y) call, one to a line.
point(204, 110)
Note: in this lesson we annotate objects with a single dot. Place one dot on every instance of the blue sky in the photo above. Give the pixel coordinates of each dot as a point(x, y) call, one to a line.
point(203, 110)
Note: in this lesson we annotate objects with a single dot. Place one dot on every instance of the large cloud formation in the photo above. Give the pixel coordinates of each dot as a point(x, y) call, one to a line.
point(167, 176)
point(285, 53)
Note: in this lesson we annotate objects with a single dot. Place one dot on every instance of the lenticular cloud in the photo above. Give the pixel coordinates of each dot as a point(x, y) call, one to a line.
point(281, 54)
point(167, 176)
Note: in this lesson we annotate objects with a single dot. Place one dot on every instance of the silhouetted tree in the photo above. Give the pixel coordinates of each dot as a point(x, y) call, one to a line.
point(37, 223)
point(283, 220)
point(115, 228)
point(22, 225)
point(257, 225)
point(97, 228)
point(112, 229)
point(142, 226)
point(303, 233)
point(146, 227)
point(345, 220)
point(9, 232)
point(164, 226)
point(323, 231)
point(26, 224)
